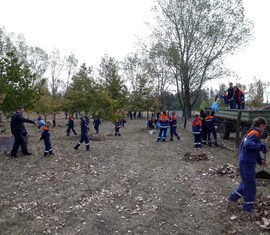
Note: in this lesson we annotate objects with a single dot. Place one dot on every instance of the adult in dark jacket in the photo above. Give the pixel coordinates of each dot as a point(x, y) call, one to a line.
point(84, 137)
point(17, 130)
point(231, 100)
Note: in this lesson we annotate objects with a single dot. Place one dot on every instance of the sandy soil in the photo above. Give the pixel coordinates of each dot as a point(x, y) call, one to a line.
point(125, 185)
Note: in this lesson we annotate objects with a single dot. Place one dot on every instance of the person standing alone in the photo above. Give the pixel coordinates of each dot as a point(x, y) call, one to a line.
point(17, 129)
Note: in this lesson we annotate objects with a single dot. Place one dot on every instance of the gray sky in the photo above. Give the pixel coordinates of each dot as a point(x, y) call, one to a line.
point(92, 28)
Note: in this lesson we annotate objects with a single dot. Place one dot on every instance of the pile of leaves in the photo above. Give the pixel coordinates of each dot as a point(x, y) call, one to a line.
point(227, 169)
point(262, 207)
point(191, 157)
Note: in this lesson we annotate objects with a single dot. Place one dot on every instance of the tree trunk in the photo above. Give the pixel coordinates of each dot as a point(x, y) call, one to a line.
point(187, 104)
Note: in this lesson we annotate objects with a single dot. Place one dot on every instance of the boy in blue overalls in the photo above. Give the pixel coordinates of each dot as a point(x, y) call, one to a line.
point(70, 125)
point(250, 155)
point(84, 137)
point(210, 121)
point(96, 124)
point(45, 135)
point(196, 131)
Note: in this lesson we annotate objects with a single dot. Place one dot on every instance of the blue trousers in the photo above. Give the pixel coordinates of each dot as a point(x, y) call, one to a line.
point(48, 146)
point(84, 138)
point(173, 131)
point(162, 133)
point(71, 128)
point(247, 187)
point(197, 140)
point(209, 132)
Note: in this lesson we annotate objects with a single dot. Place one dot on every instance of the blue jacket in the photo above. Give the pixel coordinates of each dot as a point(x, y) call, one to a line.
point(210, 122)
point(41, 122)
point(164, 121)
point(173, 121)
point(196, 126)
point(84, 128)
point(71, 122)
point(45, 135)
point(214, 106)
point(16, 123)
point(251, 147)
point(96, 122)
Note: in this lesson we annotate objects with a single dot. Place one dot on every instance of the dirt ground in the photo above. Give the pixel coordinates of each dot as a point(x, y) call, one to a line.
point(125, 185)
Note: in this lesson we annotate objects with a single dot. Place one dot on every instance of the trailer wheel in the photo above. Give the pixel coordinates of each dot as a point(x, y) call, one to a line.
point(224, 131)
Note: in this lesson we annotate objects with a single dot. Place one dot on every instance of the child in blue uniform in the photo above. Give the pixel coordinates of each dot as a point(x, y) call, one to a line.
point(210, 121)
point(173, 126)
point(71, 125)
point(84, 137)
point(45, 135)
point(96, 124)
point(164, 123)
point(196, 131)
point(117, 128)
point(249, 156)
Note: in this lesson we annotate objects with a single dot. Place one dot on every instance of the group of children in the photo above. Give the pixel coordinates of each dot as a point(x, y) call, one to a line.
point(203, 127)
point(204, 123)
point(164, 123)
point(249, 156)
point(45, 135)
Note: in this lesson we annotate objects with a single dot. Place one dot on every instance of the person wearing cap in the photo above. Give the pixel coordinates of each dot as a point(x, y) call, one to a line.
point(17, 129)
point(173, 125)
point(45, 135)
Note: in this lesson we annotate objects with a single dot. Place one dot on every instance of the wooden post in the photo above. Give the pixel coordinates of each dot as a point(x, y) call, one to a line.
point(237, 130)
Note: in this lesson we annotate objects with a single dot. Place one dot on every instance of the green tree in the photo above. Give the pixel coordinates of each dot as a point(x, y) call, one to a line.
point(56, 66)
point(15, 84)
point(196, 35)
point(255, 93)
point(71, 64)
point(112, 81)
point(86, 95)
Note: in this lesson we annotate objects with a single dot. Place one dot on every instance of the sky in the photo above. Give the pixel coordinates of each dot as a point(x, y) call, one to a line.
point(92, 28)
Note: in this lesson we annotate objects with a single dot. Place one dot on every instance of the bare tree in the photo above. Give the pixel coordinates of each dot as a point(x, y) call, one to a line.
point(196, 35)
point(56, 65)
point(71, 64)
